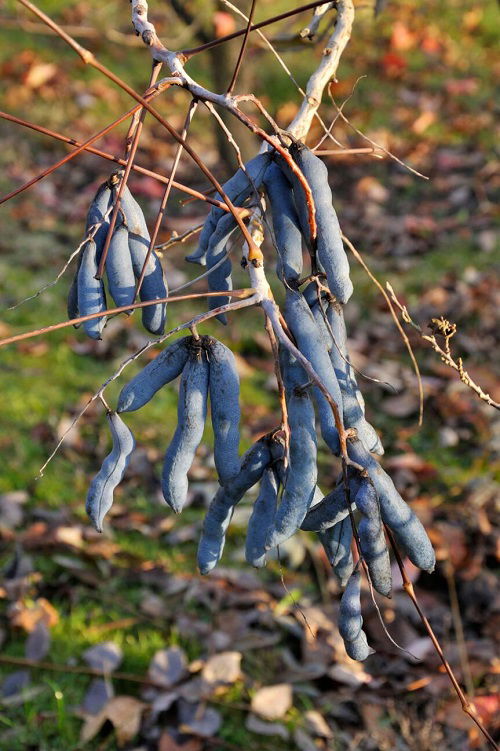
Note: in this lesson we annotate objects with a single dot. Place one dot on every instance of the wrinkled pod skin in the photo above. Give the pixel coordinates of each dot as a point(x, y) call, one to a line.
point(220, 511)
point(329, 246)
point(310, 342)
point(372, 538)
point(238, 188)
point(191, 416)
point(220, 278)
point(286, 227)
point(302, 473)
point(330, 320)
point(407, 528)
point(336, 542)
point(100, 495)
point(91, 294)
point(351, 620)
point(164, 368)
point(153, 285)
point(262, 518)
point(332, 508)
point(119, 271)
point(224, 386)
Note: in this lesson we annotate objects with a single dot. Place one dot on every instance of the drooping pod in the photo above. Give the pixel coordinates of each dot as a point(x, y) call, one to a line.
point(220, 511)
point(91, 294)
point(396, 514)
point(220, 277)
point(101, 202)
point(329, 246)
point(119, 271)
point(310, 342)
point(337, 541)
point(238, 188)
point(285, 225)
point(153, 285)
point(191, 416)
point(160, 371)
point(301, 475)
point(372, 539)
point(352, 400)
point(262, 518)
point(351, 620)
point(332, 508)
point(100, 495)
point(224, 385)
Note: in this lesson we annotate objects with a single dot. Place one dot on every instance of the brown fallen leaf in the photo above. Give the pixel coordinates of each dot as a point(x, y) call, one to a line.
point(27, 616)
point(124, 713)
point(167, 743)
point(168, 666)
point(272, 702)
point(221, 669)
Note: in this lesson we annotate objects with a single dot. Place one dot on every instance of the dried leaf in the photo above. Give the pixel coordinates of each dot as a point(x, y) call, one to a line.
point(168, 666)
point(124, 713)
point(27, 617)
point(167, 743)
point(222, 669)
point(303, 741)
point(255, 725)
point(38, 642)
point(198, 719)
point(104, 657)
point(272, 702)
point(15, 682)
point(98, 694)
point(317, 724)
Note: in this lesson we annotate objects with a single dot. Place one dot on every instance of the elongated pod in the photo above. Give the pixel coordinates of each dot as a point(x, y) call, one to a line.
point(238, 188)
point(224, 385)
point(372, 539)
point(337, 541)
point(220, 511)
point(101, 202)
point(310, 342)
point(119, 271)
point(91, 295)
point(351, 620)
point(100, 495)
point(285, 225)
point(332, 508)
point(220, 278)
point(352, 400)
point(406, 526)
point(153, 285)
point(72, 302)
point(261, 520)
point(329, 246)
point(302, 473)
point(191, 416)
point(160, 371)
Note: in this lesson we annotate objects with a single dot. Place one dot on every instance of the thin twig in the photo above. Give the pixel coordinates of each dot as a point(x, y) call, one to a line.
point(394, 315)
point(467, 706)
point(242, 48)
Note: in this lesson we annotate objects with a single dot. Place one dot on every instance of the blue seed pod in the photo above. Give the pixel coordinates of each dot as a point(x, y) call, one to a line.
point(160, 371)
point(100, 495)
point(352, 400)
point(102, 201)
point(310, 342)
point(91, 294)
point(372, 539)
point(119, 271)
point(153, 285)
point(225, 409)
point(302, 473)
point(329, 248)
point(337, 544)
point(285, 225)
point(238, 188)
point(332, 508)
point(405, 525)
point(220, 278)
point(191, 416)
point(220, 511)
point(351, 620)
point(261, 520)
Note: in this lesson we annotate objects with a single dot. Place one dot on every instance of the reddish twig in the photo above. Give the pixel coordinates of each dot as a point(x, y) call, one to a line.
point(242, 49)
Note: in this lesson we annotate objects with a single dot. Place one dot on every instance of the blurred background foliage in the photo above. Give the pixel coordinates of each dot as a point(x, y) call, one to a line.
point(419, 80)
